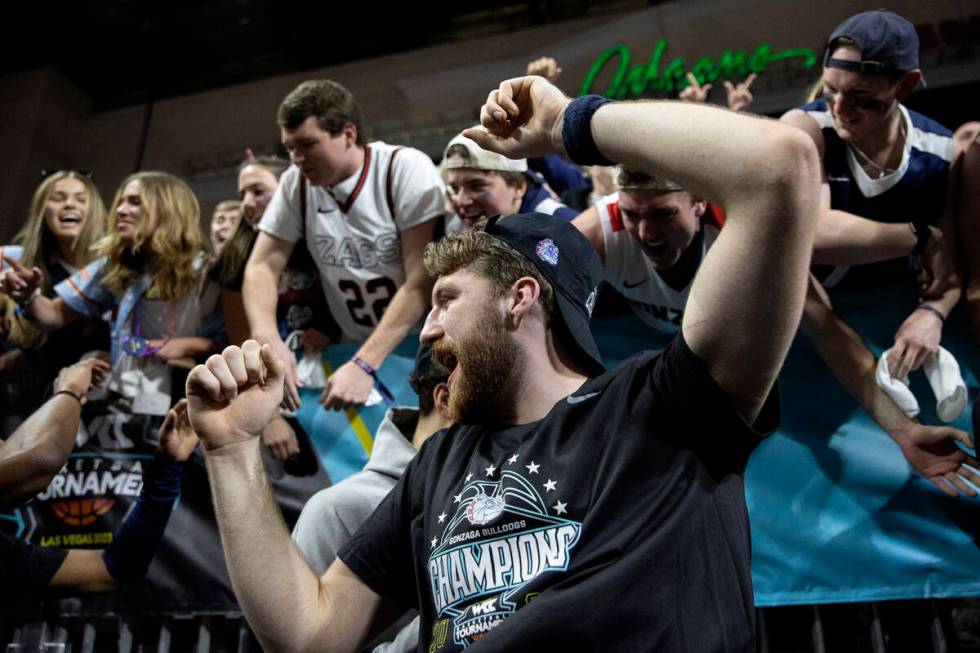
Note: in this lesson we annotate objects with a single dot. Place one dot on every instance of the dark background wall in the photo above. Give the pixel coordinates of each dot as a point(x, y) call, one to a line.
point(422, 97)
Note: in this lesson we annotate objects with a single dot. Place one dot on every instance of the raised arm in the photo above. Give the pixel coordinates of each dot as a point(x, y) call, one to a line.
point(260, 297)
point(35, 452)
point(350, 385)
point(231, 400)
point(747, 298)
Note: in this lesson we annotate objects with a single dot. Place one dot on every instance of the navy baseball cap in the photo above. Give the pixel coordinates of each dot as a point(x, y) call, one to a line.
point(570, 264)
point(888, 44)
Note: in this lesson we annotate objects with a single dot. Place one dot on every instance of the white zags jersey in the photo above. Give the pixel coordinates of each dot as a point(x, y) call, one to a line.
point(351, 232)
point(630, 272)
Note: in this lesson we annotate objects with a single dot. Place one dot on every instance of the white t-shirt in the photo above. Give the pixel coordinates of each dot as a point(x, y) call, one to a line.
point(631, 273)
point(351, 232)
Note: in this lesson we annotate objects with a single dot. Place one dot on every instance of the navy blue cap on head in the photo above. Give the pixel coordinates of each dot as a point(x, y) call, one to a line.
point(570, 264)
point(888, 44)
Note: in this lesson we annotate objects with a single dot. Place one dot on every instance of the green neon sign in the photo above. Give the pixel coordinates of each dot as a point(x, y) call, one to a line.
point(652, 77)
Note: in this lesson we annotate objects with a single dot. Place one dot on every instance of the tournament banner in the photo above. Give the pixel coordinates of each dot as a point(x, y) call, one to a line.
point(837, 514)
point(90, 497)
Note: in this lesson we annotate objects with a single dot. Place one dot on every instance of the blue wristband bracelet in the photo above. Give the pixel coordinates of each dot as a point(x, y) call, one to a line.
point(378, 383)
point(576, 132)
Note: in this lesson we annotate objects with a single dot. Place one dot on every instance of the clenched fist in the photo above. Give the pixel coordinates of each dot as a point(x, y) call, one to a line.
point(234, 395)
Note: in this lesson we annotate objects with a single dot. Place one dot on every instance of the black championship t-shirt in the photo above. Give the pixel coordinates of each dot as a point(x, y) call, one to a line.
point(616, 523)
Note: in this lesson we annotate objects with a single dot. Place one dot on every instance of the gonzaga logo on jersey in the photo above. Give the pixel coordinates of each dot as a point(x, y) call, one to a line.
point(502, 535)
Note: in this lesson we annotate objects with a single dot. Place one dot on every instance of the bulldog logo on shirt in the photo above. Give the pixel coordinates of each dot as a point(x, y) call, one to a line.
point(503, 533)
point(483, 509)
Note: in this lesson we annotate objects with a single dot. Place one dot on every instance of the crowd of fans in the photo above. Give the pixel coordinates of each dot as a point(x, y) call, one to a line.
point(344, 243)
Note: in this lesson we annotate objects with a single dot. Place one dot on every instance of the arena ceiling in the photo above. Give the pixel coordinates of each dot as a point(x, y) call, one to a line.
point(123, 52)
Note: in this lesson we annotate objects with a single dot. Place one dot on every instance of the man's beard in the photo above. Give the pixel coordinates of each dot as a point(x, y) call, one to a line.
point(484, 391)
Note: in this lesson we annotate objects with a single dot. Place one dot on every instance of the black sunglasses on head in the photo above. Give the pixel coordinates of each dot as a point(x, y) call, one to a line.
point(46, 172)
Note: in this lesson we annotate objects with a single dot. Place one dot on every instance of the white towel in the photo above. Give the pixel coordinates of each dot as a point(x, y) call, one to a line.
point(945, 379)
point(947, 383)
point(897, 389)
point(309, 369)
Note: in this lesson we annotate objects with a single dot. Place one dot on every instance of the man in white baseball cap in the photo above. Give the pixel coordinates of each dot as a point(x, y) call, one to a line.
point(483, 184)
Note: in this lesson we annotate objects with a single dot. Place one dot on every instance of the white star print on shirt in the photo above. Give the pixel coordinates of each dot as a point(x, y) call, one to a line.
point(468, 477)
point(550, 485)
point(434, 540)
point(560, 508)
point(532, 468)
point(512, 459)
point(442, 518)
point(490, 470)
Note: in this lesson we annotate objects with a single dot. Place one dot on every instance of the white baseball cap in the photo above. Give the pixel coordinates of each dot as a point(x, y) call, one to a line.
point(479, 158)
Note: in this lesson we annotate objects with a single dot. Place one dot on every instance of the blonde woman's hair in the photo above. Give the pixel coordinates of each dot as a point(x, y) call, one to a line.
point(40, 248)
point(172, 247)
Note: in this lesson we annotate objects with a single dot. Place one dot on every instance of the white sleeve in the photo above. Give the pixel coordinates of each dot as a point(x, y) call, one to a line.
point(282, 217)
point(417, 192)
point(614, 240)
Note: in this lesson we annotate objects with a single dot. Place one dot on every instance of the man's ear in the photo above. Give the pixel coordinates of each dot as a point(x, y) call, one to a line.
point(908, 83)
point(350, 132)
point(440, 398)
point(700, 206)
point(522, 187)
point(524, 296)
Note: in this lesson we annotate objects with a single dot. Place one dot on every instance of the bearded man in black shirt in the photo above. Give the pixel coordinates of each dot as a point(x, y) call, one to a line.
point(570, 507)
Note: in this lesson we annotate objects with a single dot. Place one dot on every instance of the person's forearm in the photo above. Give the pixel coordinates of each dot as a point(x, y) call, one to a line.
point(947, 302)
point(46, 313)
point(259, 295)
point(403, 313)
point(133, 546)
point(846, 239)
point(278, 592)
point(38, 448)
point(853, 365)
point(733, 156)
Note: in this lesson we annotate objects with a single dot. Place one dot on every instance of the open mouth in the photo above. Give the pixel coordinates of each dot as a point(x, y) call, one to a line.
point(70, 218)
point(657, 247)
point(443, 355)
